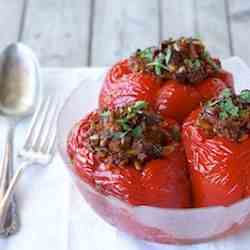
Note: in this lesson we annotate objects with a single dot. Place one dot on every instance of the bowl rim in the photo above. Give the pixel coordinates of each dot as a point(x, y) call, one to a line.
point(67, 161)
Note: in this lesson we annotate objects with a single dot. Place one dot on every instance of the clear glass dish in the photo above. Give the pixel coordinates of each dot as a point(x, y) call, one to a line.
point(176, 226)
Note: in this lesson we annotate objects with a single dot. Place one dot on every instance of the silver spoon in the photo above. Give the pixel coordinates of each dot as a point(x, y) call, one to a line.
point(19, 90)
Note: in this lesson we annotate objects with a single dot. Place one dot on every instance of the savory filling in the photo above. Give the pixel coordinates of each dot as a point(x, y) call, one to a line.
point(184, 59)
point(132, 135)
point(227, 116)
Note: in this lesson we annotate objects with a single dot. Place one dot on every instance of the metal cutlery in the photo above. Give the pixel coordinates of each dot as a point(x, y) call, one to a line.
point(39, 146)
point(19, 84)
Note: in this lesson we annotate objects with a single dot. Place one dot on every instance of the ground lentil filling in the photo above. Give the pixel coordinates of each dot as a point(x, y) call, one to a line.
point(184, 59)
point(132, 135)
point(227, 116)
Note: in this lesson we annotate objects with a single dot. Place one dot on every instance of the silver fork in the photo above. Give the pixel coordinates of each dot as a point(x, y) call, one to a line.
point(38, 149)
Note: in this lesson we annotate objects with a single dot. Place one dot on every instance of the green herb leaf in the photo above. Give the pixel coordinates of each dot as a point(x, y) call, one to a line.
point(212, 63)
point(131, 115)
point(228, 109)
point(119, 135)
point(196, 64)
point(139, 105)
point(223, 115)
point(161, 57)
point(124, 123)
point(245, 95)
point(147, 54)
point(168, 55)
point(226, 93)
point(205, 54)
point(158, 64)
point(137, 131)
point(188, 63)
point(208, 58)
point(105, 114)
point(158, 69)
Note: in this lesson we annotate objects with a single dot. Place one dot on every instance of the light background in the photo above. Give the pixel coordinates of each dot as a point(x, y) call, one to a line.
point(74, 33)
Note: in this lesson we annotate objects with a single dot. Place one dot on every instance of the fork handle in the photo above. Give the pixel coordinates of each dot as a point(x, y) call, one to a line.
point(8, 196)
point(9, 223)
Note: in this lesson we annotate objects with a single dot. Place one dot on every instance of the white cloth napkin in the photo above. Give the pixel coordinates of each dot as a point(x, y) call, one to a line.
point(43, 193)
point(54, 215)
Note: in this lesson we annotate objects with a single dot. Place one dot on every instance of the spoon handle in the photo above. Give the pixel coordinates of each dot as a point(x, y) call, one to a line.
point(9, 222)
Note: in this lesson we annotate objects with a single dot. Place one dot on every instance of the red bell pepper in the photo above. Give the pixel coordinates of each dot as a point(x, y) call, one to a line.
point(169, 98)
point(163, 182)
point(218, 166)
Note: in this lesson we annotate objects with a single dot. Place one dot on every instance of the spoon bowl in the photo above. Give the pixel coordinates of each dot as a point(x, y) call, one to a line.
point(19, 81)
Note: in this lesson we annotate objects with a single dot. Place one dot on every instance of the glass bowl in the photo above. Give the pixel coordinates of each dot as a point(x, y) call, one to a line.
point(176, 226)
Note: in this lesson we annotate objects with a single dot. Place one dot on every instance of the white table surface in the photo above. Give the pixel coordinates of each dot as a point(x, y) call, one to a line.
point(53, 214)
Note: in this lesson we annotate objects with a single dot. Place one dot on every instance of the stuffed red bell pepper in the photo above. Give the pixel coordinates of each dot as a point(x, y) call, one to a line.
point(132, 154)
point(217, 144)
point(178, 71)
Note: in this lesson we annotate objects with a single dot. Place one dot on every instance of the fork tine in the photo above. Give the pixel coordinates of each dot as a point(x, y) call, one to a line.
point(50, 135)
point(52, 144)
point(39, 126)
point(30, 133)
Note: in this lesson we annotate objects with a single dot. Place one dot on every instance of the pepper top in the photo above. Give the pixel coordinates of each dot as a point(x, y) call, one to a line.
point(131, 135)
point(185, 59)
point(227, 116)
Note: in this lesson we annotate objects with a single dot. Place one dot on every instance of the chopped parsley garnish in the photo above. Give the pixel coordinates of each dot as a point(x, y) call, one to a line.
point(130, 135)
point(245, 95)
point(168, 55)
point(158, 64)
point(196, 64)
point(125, 118)
point(139, 105)
point(146, 54)
point(124, 123)
point(119, 135)
point(137, 131)
point(105, 114)
point(228, 115)
point(184, 59)
point(226, 93)
point(228, 109)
